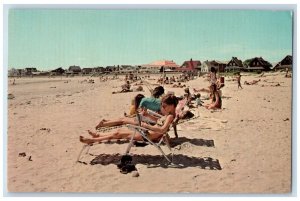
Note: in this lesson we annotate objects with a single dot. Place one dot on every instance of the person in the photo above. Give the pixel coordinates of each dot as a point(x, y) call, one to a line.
point(213, 75)
point(216, 101)
point(169, 103)
point(198, 100)
point(238, 78)
point(152, 103)
point(187, 96)
point(252, 82)
point(135, 104)
point(125, 88)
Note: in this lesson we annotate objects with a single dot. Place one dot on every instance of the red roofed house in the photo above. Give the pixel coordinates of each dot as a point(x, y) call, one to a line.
point(190, 66)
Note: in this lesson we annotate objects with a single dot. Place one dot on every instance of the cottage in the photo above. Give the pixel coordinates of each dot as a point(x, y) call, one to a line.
point(74, 70)
point(287, 62)
point(219, 65)
point(234, 65)
point(158, 66)
point(86, 71)
point(190, 66)
point(58, 71)
point(29, 71)
point(257, 64)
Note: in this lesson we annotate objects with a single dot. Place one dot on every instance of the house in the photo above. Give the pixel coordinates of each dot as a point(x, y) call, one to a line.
point(29, 71)
point(98, 70)
point(218, 65)
point(86, 71)
point(128, 69)
point(112, 69)
point(13, 73)
point(257, 64)
point(190, 65)
point(74, 70)
point(159, 66)
point(234, 65)
point(287, 62)
point(58, 71)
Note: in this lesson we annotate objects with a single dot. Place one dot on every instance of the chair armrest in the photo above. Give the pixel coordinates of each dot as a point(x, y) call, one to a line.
point(136, 127)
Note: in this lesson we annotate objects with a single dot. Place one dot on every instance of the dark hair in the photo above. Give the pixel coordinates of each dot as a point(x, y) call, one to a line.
point(137, 100)
point(158, 91)
point(170, 99)
point(198, 95)
point(187, 90)
point(212, 69)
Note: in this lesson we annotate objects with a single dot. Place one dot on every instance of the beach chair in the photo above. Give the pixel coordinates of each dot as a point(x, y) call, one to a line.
point(126, 158)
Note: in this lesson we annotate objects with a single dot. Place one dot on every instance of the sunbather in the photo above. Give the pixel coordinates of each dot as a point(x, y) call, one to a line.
point(252, 82)
point(169, 103)
point(216, 101)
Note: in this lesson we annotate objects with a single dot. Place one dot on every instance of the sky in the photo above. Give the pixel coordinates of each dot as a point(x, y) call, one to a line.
point(52, 38)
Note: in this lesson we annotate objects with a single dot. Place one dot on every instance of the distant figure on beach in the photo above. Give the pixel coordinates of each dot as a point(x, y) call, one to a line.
point(14, 82)
point(198, 101)
point(238, 78)
point(252, 82)
point(179, 85)
point(125, 88)
point(213, 75)
point(287, 75)
point(216, 101)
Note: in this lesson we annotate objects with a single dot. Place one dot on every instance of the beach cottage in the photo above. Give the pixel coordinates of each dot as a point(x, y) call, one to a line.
point(58, 71)
point(287, 62)
point(257, 64)
point(218, 65)
point(234, 65)
point(190, 65)
point(159, 66)
point(74, 70)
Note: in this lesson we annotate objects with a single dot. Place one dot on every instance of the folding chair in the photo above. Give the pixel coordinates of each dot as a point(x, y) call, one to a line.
point(144, 133)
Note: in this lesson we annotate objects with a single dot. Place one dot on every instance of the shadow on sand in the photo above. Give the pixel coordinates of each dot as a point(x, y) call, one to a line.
point(159, 161)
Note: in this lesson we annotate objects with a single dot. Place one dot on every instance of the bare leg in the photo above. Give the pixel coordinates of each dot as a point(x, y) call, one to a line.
point(118, 122)
point(123, 133)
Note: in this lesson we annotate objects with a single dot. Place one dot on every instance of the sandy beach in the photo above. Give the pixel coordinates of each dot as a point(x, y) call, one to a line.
point(249, 139)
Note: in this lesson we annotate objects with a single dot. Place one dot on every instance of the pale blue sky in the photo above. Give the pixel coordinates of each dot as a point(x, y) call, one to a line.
point(47, 39)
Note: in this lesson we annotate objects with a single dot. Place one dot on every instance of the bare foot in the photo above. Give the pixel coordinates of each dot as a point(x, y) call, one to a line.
point(85, 140)
point(101, 124)
point(94, 135)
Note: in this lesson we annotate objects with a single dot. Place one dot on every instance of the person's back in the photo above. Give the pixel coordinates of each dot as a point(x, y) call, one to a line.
point(151, 104)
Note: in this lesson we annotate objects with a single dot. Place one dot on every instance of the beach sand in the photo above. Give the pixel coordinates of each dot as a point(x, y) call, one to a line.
point(250, 139)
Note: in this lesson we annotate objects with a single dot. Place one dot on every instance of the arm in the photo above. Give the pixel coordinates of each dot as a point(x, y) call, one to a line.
point(160, 129)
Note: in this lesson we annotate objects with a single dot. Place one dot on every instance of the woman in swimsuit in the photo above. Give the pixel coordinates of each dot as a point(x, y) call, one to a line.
point(168, 104)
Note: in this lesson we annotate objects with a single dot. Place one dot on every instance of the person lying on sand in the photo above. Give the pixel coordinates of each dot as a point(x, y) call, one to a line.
point(179, 85)
point(169, 103)
point(216, 101)
point(125, 88)
point(252, 82)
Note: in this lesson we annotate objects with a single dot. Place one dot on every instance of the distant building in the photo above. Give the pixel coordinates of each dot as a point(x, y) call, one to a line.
point(159, 66)
point(287, 62)
point(218, 65)
point(190, 66)
point(128, 69)
point(86, 71)
point(257, 64)
point(74, 70)
point(234, 65)
point(29, 71)
point(58, 71)
point(98, 70)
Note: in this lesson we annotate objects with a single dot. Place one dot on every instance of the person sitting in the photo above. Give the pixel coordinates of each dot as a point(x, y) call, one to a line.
point(198, 101)
point(152, 103)
point(169, 103)
point(216, 101)
point(125, 88)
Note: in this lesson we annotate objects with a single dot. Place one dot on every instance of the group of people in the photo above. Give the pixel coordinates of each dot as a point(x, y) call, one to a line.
point(157, 125)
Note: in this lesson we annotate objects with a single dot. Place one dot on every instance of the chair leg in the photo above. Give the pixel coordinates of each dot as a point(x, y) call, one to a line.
point(175, 130)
